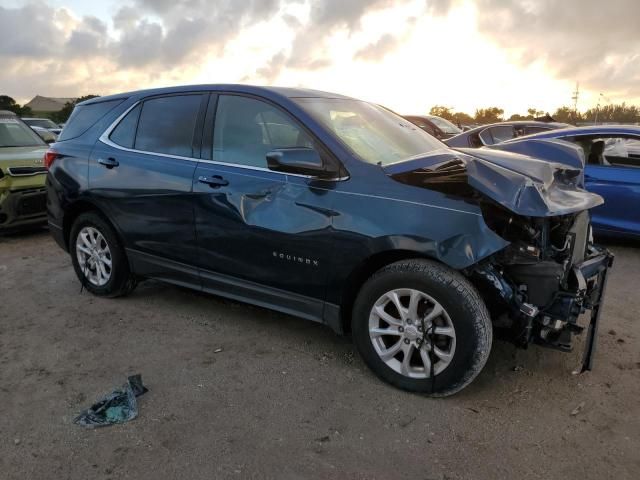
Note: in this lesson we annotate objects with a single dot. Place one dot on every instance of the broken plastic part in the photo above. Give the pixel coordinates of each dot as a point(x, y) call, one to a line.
point(119, 406)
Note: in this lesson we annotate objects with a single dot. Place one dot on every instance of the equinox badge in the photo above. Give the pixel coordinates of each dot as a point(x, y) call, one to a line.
point(295, 258)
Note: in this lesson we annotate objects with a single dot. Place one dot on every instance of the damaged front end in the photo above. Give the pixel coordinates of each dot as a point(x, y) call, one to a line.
point(551, 272)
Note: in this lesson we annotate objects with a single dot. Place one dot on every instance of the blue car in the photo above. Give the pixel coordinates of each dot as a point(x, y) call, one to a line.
point(335, 210)
point(612, 155)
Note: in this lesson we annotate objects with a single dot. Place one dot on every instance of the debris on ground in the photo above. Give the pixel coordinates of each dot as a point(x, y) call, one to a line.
point(217, 350)
point(119, 406)
point(578, 409)
point(518, 368)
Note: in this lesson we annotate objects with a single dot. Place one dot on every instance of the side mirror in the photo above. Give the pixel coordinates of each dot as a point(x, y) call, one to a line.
point(304, 161)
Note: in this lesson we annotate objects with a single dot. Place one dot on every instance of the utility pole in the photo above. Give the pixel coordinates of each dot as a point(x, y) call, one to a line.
point(595, 120)
point(575, 97)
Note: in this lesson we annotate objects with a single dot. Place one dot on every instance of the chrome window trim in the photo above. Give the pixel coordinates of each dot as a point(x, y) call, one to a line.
point(104, 138)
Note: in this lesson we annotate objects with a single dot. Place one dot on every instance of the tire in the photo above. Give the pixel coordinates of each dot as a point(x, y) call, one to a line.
point(113, 280)
point(461, 328)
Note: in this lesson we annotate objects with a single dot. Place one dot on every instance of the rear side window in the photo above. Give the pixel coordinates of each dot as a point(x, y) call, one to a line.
point(125, 133)
point(167, 125)
point(85, 116)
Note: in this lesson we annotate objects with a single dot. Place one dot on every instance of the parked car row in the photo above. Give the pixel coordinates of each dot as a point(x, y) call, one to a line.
point(335, 210)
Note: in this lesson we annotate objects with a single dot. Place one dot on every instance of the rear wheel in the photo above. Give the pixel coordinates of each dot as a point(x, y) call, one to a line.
point(98, 257)
point(422, 327)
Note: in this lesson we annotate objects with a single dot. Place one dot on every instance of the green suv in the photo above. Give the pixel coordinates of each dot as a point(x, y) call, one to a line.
point(22, 175)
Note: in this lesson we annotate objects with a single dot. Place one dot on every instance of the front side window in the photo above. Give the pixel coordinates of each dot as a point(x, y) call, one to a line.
point(373, 133)
point(167, 125)
point(624, 152)
point(247, 129)
point(14, 133)
point(498, 134)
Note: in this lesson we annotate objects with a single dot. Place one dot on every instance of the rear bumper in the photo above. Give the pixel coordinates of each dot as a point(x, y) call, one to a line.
point(58, 235)
point(22, 208)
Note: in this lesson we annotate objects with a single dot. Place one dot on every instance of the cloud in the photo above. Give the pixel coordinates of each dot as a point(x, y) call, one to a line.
point(379, 49)
point(151, 38)
point(53, 51)
point(325, 17)
point(587, 40)
point(390, 42)
point(28, 32)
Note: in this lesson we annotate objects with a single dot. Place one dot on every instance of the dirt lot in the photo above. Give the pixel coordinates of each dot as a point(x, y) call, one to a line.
point(286, 398)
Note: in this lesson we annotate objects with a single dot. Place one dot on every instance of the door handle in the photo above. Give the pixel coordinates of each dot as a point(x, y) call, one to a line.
point(215, 181)
point(108, 162)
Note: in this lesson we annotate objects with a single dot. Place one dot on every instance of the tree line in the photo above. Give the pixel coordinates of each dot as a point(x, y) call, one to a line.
point(616, 113)
point(8, 103)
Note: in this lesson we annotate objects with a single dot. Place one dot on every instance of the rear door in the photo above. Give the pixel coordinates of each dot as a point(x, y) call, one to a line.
point(141, 171)
point(270, 230)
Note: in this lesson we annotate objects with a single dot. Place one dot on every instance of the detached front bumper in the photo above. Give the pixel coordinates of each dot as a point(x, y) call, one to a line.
point(560, 296)
point(22, 208)
point(592, 275)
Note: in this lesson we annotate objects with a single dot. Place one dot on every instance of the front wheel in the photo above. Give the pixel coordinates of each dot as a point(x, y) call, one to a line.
point(422, 327)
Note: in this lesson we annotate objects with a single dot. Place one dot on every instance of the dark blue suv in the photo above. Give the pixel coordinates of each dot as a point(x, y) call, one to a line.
point(334, 210)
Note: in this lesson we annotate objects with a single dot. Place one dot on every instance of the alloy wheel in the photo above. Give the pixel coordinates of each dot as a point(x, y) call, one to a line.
point(94, 256)
point(412, 333)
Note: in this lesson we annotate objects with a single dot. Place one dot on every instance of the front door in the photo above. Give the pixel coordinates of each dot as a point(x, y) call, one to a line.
point(269, 230)
point(616, 177)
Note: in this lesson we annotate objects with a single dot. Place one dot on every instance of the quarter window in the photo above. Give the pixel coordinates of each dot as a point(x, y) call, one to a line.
point(167, 125)
point(247, 129)
point(125, 133)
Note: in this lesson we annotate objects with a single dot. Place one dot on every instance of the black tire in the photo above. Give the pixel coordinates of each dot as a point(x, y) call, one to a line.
point(465, 310)
point(121, 280)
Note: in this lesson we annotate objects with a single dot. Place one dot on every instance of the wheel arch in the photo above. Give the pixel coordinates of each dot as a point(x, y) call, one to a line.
point(78, 208)
point(363, 271)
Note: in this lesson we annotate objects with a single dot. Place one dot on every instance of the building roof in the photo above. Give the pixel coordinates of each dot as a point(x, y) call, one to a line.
point(48, 104)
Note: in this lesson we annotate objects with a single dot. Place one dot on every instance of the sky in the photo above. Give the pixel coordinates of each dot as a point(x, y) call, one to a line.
point(405, 54)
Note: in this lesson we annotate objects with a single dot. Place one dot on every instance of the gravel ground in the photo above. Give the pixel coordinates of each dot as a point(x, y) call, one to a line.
point(286, 398)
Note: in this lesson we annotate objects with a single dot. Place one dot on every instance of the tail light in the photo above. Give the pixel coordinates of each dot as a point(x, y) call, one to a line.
point(49, 157)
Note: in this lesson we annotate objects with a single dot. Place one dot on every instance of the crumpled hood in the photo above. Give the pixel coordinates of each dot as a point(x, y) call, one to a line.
point(526, 185)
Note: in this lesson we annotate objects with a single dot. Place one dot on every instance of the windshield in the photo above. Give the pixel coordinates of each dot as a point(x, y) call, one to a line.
point(40, 122)
point(445, 125)
point(373, 133)
point(13, 133)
